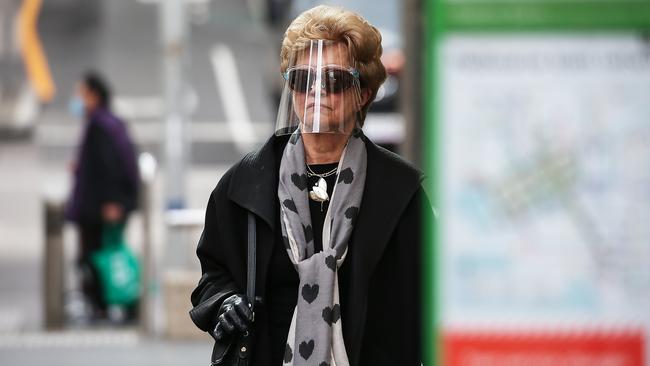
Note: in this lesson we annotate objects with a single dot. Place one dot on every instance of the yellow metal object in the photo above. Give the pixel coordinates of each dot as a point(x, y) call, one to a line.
point(34, 58)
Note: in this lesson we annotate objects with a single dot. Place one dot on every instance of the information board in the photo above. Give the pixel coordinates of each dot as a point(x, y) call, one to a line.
point(539, 145)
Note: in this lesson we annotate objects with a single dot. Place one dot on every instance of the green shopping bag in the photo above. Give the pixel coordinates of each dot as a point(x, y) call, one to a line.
point(117, 267)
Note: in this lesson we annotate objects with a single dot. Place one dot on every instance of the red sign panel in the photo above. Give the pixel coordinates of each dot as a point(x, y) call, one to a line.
point(581, 348)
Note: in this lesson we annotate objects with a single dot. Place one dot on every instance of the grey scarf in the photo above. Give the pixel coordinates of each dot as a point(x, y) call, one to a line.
point(316, 336)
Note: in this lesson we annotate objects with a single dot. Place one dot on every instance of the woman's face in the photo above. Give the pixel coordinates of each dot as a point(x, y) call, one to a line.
point(321, 107)
point(87, 96)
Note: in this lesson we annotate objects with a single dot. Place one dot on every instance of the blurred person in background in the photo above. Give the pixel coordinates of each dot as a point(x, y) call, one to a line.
point(105, 174)
point(338, 218)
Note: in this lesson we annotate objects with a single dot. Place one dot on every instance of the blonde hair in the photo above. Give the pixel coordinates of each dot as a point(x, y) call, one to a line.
point(362, 39)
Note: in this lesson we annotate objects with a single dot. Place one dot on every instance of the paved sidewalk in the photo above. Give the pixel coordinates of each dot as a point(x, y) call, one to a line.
point(98, 348)
point(22, 339)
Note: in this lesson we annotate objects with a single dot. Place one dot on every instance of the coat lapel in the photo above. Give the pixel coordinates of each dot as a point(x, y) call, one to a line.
point(254, 186)
point(390, 185)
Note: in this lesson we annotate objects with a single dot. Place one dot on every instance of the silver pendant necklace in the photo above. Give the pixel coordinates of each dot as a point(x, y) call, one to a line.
point(318, 192)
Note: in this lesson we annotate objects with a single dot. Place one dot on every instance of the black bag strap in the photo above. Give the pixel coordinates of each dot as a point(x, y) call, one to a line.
point(250, 278)
point(220, 352)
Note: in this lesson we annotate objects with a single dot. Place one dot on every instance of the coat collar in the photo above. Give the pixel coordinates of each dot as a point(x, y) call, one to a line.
point(254, 185)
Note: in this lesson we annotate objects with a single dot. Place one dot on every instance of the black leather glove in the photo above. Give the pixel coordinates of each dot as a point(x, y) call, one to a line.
point(234, 316)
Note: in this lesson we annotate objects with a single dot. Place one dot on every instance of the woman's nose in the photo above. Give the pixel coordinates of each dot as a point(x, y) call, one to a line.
point(316, 87)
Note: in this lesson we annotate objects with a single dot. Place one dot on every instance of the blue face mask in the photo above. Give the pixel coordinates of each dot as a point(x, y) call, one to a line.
point(76, 107)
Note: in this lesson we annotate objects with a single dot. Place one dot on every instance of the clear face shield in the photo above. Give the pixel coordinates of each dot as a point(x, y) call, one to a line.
point(321, 92)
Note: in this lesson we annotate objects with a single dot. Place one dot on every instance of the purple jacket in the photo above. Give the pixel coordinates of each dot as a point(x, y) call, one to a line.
point(106, 170)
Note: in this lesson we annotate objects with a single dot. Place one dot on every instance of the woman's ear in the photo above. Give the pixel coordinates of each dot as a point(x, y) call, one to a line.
point(365, 96)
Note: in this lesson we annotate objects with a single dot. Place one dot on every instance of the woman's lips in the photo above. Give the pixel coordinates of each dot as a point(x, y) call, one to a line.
point(312, 105)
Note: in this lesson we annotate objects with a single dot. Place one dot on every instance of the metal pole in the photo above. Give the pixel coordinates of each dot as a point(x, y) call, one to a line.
point(149, 282)
point(412, 92)
point(177, 98)
point(174, 37)
point(175, 49)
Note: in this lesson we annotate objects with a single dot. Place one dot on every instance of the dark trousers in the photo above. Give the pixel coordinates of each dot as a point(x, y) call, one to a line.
point(90, 241)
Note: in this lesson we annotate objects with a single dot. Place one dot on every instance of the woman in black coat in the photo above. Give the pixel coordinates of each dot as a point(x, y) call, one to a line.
point(339, 219)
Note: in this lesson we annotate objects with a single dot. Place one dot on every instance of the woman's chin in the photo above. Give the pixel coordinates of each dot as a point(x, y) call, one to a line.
point(324, 125)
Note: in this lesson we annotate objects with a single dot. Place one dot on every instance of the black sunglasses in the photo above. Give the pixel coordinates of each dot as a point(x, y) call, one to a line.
point(333, 79)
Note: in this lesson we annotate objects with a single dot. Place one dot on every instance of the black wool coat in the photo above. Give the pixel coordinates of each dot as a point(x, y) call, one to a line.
point(381, 314)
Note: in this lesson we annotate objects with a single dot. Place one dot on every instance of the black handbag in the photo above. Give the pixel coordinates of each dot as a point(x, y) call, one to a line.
point(237, 351)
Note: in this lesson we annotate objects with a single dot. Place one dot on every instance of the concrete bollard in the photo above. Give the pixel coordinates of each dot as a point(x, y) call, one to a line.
point(53, 264)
